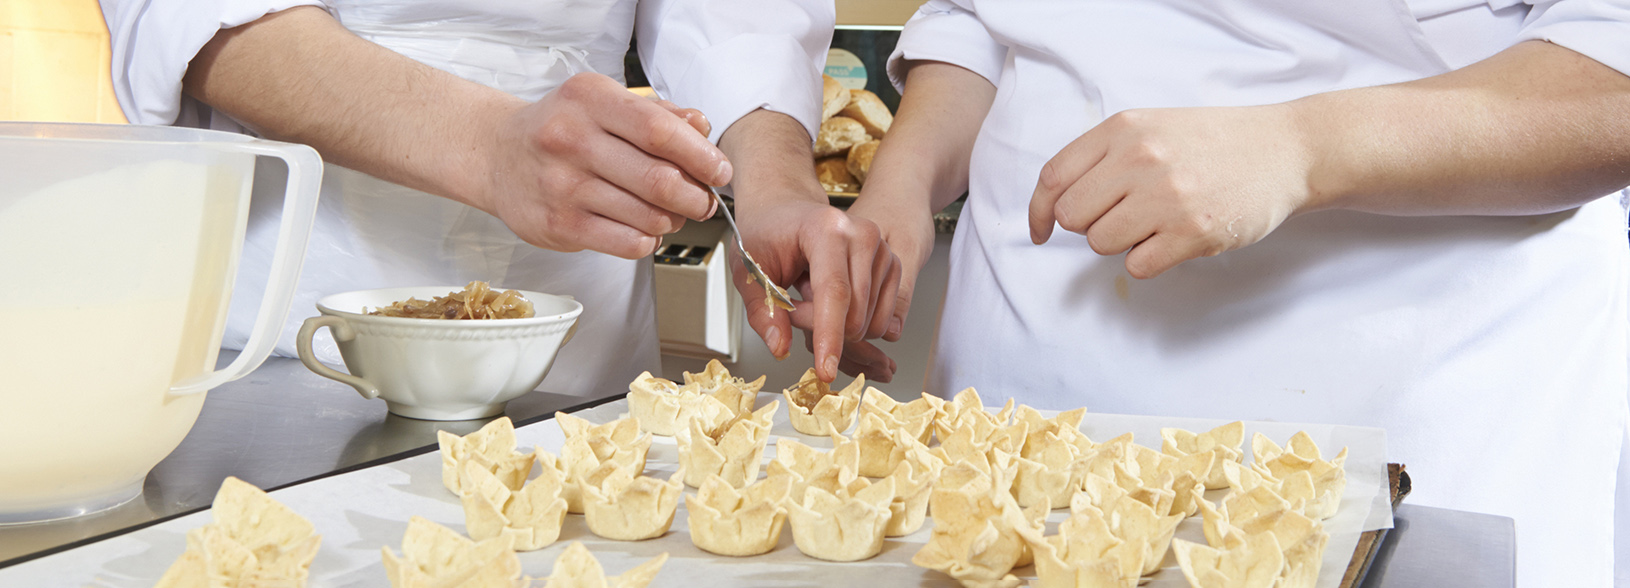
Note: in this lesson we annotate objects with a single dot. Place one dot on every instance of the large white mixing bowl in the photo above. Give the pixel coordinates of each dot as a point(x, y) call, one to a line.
point(118, 249)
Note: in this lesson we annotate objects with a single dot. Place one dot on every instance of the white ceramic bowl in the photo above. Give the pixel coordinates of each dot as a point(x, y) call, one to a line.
point(440, 370)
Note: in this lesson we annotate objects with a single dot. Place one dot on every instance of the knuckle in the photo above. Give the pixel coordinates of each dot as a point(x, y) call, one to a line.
point(837, 222)
point(560, 237)
point(556, 135)
point(1049, 179)
point(1178, 184)
point(1139, 268)
point(568, 224)
point(878, 326)
point(665, 224)
point(1119, 122)
point(1099, 244)
point(660, 131)
point(577, 87)
point(1066, 222)
point(630, 247)
point(837, 291)
point(866, 230)
point(1149, 152)
point(662, 184)
point(1191, 224)
point(1132, 116)
point(563, 183)
point(902, 303)
point(1144, 262)
point(854, 329)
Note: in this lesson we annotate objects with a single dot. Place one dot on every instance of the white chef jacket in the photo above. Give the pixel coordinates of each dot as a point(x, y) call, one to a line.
point(1491, 349)
point(723, 57)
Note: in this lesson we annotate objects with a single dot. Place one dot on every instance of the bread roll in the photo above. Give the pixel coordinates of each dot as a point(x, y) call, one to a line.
point(834, 175)
point(838, 134)
point(867, 108)
point(833, 97)
point(859, 162)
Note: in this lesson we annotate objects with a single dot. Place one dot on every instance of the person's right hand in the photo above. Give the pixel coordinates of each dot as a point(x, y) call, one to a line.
point(594, 166)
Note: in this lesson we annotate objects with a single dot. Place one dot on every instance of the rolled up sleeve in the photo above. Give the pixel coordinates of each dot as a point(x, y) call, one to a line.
point(1599, 29)
point(728, 58)
point(944, 31)
point(154, 40)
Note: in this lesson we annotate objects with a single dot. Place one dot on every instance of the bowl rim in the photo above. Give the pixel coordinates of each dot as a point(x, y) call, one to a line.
point(326, 306)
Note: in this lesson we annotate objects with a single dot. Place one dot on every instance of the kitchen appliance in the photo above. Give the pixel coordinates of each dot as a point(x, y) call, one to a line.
point(699, 314)
point(118, 249)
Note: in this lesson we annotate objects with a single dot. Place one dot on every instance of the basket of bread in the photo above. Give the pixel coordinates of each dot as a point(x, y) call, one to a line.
point(852, 124)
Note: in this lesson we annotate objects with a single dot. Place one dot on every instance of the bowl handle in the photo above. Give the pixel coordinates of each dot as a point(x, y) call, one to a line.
point(342, 332)
point(294, 230)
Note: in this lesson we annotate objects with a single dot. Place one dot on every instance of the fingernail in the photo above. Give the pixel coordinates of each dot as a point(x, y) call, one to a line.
point(895, 326)
point(659, 244)
point(712, 207)
point(772, 337)
point(830, 365)
point(721, 175)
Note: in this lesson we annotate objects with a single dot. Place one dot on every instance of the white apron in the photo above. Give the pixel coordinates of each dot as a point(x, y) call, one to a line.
point(374, 234)
point(1492, 350)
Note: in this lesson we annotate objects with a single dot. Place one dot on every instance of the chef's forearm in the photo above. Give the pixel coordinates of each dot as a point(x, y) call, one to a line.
point(926, 153)
point(298, 75)
point(1536, 128)
point(770, 153)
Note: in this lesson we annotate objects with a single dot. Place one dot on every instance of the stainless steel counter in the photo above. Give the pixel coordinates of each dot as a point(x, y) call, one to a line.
point(283, 425)
point(1441, 547)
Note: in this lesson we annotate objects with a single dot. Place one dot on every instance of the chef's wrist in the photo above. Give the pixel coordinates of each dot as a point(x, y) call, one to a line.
point(894, 196)
point(772, 160)
point(900, 183)
point(1319, 131)
point(758, 186)
point(899, 221)
point(481, 145)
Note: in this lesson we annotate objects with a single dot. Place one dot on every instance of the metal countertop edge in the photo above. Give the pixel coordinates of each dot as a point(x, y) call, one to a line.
point(417, 451)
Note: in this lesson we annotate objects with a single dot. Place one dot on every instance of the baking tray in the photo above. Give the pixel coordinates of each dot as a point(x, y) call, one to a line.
point(360, 511)
point(1370, 542)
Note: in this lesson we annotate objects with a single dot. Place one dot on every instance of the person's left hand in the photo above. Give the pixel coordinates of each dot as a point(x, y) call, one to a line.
point(1170, 185)
point(842, 267)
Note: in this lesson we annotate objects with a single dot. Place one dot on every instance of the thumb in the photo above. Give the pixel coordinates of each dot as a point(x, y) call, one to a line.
point(902, 308)
point(773, 325)
point(911, 266)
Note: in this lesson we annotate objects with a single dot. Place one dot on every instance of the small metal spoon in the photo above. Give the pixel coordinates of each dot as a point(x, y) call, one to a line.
point(773, 291)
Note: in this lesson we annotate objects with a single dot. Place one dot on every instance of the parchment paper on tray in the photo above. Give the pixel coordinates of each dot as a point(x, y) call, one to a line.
point(361, 511)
